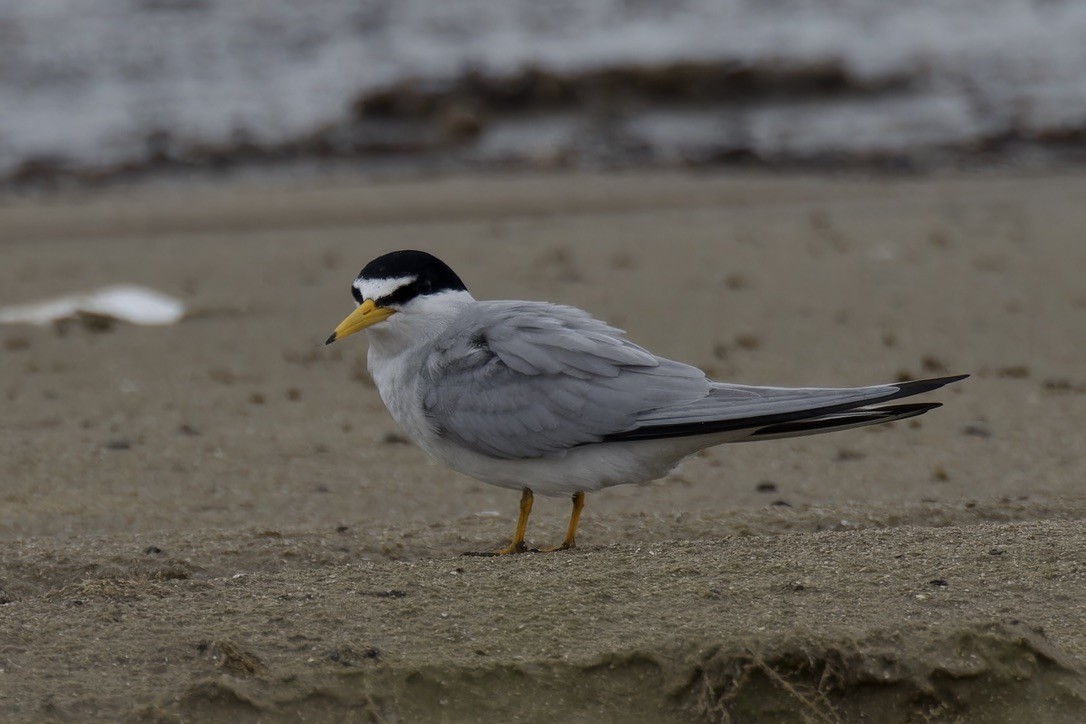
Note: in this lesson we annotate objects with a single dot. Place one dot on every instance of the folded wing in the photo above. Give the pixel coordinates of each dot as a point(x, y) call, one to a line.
point(751, 412)
point(529, 379)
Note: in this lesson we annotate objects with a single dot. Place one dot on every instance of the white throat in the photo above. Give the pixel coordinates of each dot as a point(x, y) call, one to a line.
point(401, 345)
point(417, 323)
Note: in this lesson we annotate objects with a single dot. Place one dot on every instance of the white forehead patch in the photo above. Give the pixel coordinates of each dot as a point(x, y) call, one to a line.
point(377, 288)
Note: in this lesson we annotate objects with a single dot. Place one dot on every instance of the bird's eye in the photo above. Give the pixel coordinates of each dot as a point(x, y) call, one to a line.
point(356, 294)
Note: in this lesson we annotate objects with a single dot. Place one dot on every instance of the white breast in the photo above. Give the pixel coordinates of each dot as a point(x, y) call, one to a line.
point(586, 468)
point(397, 382)
point(401, 346)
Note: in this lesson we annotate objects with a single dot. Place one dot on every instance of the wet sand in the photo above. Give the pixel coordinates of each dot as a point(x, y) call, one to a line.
point(219, 520)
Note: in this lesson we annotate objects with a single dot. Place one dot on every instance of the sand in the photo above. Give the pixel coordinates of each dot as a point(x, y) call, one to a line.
point(218, 520)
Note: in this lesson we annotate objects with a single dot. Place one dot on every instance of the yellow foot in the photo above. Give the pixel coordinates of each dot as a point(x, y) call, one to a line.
point(566, 545)
point(511, 549)
point(571, 532)
point(517, 544)
point(517, 547)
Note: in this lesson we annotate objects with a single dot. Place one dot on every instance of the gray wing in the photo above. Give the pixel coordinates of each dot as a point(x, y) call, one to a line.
point(527, 379)
point(763, 413)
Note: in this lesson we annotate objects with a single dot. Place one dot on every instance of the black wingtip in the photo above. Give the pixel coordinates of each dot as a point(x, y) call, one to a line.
point(878, 415)
point(904, 389)
point(950, 380)
point(919, 387)
point(330, 339)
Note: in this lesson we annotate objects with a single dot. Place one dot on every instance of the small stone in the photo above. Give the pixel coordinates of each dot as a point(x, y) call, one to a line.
point(939, 238)
point(14, 344)
point(931, 363)
point(977, 430)
point(844, 454)
point(736, 281)
point(748, 341)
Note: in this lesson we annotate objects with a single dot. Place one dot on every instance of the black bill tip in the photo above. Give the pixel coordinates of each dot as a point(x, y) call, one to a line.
point(331, 338)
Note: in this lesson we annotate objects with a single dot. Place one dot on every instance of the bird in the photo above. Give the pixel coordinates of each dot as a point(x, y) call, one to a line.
point(545, 398)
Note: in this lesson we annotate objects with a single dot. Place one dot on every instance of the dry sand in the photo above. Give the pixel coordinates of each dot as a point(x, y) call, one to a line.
point(218, 520)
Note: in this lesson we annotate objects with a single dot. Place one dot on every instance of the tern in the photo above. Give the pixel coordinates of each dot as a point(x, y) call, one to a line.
point(544, 398)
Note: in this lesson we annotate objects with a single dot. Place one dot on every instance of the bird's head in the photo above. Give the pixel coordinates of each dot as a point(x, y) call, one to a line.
point(405, 283)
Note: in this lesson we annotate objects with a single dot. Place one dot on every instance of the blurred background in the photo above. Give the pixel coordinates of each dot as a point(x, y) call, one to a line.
point(785, 192)
point(100, 90)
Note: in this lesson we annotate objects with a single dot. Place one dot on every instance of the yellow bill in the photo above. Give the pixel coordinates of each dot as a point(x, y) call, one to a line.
point(366, 315)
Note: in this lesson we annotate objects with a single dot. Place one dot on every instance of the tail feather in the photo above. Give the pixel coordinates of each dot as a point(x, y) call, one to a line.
point(842, 421)
point(803, 412)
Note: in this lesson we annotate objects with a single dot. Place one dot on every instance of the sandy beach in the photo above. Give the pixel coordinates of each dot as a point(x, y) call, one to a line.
point(219, 520)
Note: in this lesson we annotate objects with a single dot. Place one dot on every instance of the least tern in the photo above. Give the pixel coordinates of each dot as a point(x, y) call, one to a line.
point(545, 398)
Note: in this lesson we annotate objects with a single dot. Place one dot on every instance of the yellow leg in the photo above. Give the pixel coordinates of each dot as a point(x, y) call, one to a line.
point(574, 518)
point(517, 544)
